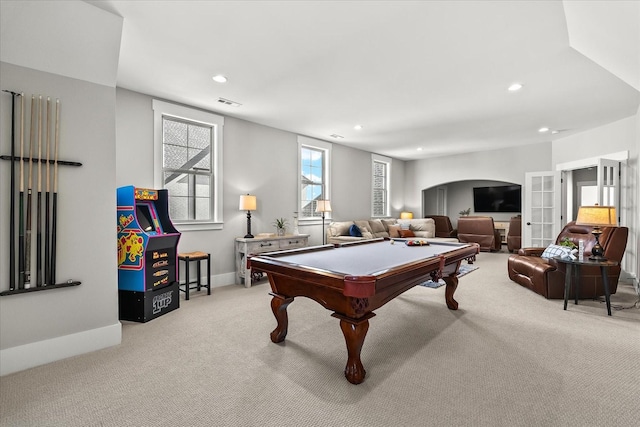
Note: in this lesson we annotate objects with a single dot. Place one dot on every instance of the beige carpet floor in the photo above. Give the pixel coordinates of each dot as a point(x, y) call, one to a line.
point(507, 357)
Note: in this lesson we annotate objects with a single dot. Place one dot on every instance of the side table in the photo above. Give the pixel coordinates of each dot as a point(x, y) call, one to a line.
point(573, 274)
point(246, 247)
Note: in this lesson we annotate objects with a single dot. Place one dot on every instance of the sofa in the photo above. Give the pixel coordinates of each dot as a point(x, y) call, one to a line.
point(546, 276)
point(343, 231)
point(480, 230)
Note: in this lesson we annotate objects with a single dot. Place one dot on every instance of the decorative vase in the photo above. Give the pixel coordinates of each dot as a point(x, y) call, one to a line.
point(280, 231)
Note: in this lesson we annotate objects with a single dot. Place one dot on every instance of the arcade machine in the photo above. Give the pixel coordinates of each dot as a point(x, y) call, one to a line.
point(148, 284)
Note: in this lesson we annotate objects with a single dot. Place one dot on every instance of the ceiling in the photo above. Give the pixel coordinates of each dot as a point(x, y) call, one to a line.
point(423, 78)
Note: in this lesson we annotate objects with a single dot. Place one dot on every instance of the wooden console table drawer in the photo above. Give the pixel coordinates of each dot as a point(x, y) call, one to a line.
point(294, 242)
point(257, 245)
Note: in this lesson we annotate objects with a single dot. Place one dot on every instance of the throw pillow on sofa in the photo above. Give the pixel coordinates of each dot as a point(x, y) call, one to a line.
point(355, 231)
point(394, 231)
point(553, 251)
point(406, 233)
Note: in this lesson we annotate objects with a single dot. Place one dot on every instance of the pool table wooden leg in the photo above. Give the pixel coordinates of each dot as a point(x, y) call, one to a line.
point(354, 331)
point(452, 284)
point(279, 306)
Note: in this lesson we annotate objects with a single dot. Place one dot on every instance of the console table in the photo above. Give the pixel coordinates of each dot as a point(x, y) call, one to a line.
point(258, 245)
point(503, 229)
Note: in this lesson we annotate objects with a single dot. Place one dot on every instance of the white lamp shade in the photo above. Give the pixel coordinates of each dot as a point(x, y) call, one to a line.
point(597, 215)
point(323, 206)
point(248, 203)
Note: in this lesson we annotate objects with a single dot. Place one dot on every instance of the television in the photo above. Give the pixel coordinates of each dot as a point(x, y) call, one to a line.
point(505, 198)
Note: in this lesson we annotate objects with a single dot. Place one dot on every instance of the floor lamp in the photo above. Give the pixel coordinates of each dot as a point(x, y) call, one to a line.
point(323, 206)
point(248, 203)
point(597, 216)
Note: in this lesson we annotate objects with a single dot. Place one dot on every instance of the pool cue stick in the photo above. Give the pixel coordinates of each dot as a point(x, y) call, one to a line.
point(47, 204)
point(39, 200)
point(27, 263)
point(12, 204)
point(21, 201)
point(55, 195)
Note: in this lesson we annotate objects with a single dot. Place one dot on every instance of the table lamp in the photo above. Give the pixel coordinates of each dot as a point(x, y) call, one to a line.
point(248, 203)
point(597, 216)
point(406, 215)
point(323, 206)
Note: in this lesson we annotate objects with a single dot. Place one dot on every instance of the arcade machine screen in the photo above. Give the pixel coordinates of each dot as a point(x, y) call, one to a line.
point(143, 213)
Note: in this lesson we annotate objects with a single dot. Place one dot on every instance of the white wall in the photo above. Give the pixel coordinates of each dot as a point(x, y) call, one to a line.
point(39, 327)
point(508, 165)
point(37, 59)
point(259, 160)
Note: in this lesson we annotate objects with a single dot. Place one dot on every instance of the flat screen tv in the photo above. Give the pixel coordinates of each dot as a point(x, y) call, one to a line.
point(505, 198)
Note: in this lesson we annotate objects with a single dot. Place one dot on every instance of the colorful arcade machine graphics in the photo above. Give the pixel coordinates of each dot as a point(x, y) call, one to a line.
point(147, 253)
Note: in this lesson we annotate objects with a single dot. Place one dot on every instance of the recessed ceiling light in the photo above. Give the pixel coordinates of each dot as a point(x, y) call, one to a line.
point(358, 127)
point(515, 87)
point(543, 130)
point(220, 78)
point(554, 132)
point(419, 148)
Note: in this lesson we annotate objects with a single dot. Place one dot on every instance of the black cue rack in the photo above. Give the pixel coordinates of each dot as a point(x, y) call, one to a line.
point(34, 288)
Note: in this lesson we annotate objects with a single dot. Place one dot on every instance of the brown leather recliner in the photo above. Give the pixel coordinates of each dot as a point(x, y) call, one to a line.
point(443, 226)
point(480, 230)
point(546, 276)
point(514, 236)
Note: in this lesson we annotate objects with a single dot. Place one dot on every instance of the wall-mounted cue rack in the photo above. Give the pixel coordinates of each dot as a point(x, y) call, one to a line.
point(38, 164)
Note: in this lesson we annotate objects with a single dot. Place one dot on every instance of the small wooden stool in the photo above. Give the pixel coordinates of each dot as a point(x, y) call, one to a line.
point(197, 257)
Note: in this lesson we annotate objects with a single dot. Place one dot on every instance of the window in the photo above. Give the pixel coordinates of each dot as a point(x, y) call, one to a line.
point(313, 161)
point(380, 185)
point(188, 163)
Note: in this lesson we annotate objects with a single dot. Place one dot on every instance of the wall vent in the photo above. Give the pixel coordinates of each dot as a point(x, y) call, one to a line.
point(228, 102)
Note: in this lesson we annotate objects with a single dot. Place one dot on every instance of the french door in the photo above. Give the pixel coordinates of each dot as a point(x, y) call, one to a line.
point(542, 214)
point(608, 183)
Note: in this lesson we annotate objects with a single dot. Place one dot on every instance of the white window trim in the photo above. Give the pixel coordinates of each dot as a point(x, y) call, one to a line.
point(387, 160)
point(304, 141)
point(161, 109)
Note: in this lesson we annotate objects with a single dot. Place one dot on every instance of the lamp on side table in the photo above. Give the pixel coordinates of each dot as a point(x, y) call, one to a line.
point(597, 216)
point(248, 203)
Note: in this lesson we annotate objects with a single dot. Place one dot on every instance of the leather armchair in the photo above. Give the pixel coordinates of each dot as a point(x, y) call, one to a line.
point(546, 276)
point(514, 236)
point(480, 230)
point(443, 226)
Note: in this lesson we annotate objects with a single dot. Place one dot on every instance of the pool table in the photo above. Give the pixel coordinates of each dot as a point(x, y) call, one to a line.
point(355, 279)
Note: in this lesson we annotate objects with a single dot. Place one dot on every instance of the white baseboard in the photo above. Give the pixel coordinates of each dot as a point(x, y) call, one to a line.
point(39, 353)
point(219, 280)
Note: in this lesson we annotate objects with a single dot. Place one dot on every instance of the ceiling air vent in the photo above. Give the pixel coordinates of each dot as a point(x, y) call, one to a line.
point(336, 136)
point(228, 102)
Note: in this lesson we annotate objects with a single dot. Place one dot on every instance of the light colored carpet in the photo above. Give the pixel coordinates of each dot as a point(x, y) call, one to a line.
point(464, 269)
point(507, 357)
